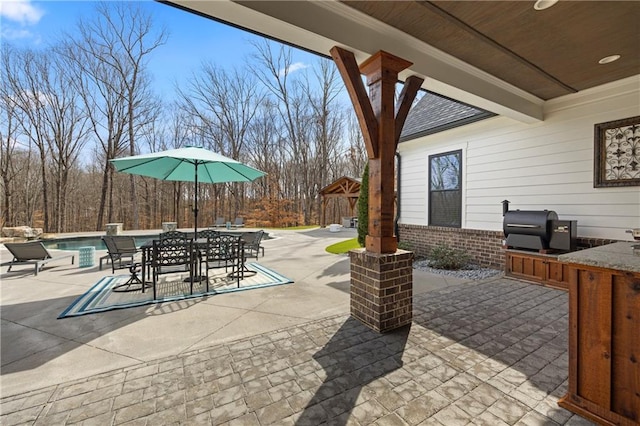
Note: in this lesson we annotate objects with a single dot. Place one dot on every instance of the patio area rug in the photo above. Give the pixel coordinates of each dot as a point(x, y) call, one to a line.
point(171, 287)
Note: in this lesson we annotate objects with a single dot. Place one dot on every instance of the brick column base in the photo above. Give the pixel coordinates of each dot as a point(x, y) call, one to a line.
point(382, 289)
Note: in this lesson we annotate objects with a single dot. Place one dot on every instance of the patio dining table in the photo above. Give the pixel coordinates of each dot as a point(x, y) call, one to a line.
point(200, 244)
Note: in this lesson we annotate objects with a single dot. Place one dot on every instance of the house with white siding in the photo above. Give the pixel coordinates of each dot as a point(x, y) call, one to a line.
point(545, 165)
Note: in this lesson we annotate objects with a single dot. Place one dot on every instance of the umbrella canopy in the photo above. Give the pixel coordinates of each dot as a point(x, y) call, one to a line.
point(188, 164)
point(181, 164)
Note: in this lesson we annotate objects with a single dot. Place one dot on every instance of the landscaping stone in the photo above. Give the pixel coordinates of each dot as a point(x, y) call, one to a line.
point(25, 232)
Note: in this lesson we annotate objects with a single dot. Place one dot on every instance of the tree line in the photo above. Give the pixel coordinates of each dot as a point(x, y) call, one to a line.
point(69, 108)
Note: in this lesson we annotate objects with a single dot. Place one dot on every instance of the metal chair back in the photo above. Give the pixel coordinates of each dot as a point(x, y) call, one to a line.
point(176, 236)
point(172, 255)
point(206, 234)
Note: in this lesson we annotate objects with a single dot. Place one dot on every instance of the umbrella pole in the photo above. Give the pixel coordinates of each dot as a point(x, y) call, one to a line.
point(195, 209)
point(197, 277)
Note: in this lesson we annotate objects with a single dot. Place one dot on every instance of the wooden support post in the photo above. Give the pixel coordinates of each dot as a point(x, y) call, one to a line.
point(381, 129)
point(381, 275)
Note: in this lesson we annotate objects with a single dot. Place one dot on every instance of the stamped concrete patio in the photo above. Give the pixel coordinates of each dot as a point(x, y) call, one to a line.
point(492, 352)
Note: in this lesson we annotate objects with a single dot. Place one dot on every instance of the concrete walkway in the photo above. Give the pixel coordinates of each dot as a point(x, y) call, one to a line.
point(489, 352)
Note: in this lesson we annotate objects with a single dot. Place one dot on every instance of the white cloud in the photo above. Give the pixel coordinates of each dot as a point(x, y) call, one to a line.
point(293, 68)
point(21, 11)
point(15, 34)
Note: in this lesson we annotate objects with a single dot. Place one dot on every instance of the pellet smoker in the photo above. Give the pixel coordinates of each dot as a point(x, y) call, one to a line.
point(538, 230)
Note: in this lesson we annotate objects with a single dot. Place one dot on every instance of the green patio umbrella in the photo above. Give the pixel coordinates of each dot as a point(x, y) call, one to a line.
point(188, 164)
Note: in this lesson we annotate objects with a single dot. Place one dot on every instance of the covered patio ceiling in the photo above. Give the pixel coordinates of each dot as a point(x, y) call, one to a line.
point(502, 56)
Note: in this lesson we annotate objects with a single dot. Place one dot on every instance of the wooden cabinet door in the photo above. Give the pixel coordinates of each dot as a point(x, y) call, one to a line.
point(526, 266)
point(593, 339)
point(543, 269)
point(558, 274)
point(604, 343)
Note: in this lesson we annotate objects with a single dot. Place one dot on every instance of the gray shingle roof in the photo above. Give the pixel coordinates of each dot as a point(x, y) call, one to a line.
point(436, 113)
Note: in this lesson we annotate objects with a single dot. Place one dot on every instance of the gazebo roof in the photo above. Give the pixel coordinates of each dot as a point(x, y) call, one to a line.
point(343, 187)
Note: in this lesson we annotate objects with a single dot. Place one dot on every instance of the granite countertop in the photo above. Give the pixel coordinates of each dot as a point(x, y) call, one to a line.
point(619, 256)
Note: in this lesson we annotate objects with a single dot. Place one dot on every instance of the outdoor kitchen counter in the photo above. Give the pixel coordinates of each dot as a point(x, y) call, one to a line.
point(618, 256)
point(604, 325)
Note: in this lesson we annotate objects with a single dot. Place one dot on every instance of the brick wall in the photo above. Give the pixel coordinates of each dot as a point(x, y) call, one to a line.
point(484, 247)
point(382, 289)
point(586, 242)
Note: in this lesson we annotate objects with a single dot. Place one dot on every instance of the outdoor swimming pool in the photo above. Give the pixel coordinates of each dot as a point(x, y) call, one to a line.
point(76, 242)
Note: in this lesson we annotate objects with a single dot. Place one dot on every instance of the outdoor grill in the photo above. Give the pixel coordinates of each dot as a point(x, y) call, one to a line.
point(537, 230)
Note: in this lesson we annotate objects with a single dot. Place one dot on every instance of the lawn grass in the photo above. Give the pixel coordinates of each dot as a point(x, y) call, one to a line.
point(343, 246)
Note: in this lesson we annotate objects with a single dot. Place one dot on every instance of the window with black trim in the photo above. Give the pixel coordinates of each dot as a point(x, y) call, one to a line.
point(445, 189)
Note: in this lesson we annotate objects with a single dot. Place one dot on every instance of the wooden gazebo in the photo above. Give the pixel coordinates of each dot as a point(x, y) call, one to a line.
point(344, 187)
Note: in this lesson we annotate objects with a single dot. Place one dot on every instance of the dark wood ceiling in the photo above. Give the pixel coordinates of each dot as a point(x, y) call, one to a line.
point(547, 53)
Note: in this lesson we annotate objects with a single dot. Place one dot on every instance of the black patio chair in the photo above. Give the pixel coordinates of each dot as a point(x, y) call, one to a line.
point(222, 251)
point(252, 247)
point(205, 234)
point(172, 255)
point(177, 236)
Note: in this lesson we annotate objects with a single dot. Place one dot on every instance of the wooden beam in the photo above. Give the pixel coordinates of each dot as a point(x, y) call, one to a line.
point(352, 204)
point(348, 68)
point(382, 71)
point(408, 94)
point(379, 124)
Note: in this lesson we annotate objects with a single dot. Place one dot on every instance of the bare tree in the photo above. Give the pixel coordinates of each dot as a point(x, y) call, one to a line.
point(285, 121)
point(9, 133)
point(224, 105)
point(19, 74)
point(172, 131)
point(274, 69)
point(111, 51)
point(310, 117)
point(327, 130)
point(51, 117)
point(356, 155)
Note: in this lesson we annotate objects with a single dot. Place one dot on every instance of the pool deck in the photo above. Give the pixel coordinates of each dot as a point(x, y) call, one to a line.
point(489, 352)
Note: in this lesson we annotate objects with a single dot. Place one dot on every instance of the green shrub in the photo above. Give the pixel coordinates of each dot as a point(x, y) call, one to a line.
point(444, 257)
point(403, 245)
point(363, 207)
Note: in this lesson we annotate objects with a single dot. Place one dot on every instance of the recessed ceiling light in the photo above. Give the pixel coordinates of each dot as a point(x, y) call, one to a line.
point(544, 4)
point(609, 59)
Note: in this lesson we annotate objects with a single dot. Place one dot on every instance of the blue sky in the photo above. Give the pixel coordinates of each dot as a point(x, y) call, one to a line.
point(192, 38)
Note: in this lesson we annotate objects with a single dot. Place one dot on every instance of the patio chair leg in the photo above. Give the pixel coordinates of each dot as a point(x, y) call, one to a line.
point(134, 283)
